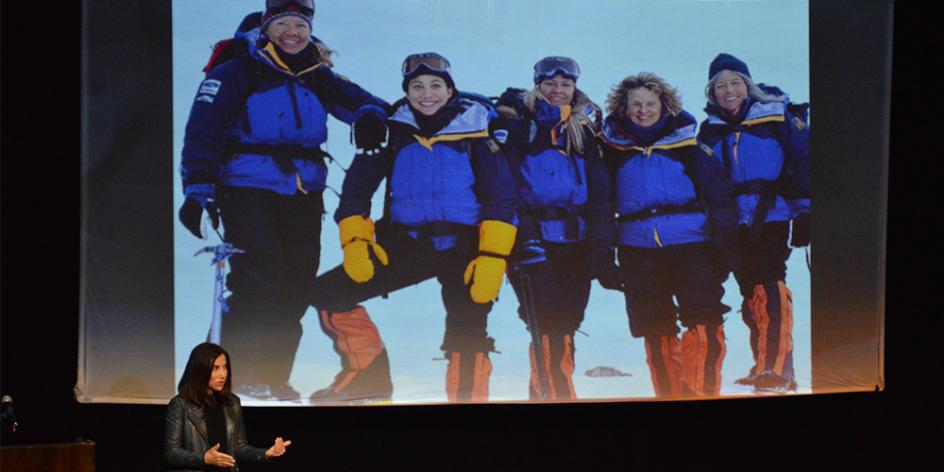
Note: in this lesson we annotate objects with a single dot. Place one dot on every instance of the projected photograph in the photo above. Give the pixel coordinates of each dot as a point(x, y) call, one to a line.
point(434, 201)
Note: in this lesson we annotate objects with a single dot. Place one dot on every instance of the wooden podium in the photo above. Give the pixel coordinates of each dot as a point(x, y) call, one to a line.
point(73, 457)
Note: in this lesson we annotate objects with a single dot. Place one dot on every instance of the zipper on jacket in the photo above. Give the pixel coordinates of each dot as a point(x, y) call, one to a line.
point(737, 140)
point(655, 235)
point(291, 93)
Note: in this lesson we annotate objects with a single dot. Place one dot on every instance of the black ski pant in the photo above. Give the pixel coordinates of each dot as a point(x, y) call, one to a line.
point(411, 261)
point(560, 288)
point(269, 284)
point(767, 309)
point(653, 276)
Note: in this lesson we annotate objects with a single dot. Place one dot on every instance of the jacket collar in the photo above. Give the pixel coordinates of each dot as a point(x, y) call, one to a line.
point(682, 133)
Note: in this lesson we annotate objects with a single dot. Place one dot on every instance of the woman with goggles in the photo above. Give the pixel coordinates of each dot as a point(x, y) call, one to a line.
point(252, 158)
point(448, 214)
point(763, 139)
point(548, 138)
point(669, 196)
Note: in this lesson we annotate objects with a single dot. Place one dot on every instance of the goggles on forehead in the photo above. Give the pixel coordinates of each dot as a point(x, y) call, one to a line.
point(550, 66)
point(430, 60)
point(309, 4)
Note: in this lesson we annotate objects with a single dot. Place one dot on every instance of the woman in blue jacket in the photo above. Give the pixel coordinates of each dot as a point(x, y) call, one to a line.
point(765, 147)
point(448, 214)
point(251, 157)
point(670, 197)
point(549, 140)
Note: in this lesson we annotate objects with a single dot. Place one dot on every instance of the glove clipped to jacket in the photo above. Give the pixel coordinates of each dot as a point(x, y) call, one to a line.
point(357, 241)
point(603, 268)
point(800, 234)
point(486, 271)
point(200, 198)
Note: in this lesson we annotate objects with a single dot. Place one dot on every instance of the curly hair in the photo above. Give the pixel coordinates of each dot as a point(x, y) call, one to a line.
point(580, 127)
point(668, 95)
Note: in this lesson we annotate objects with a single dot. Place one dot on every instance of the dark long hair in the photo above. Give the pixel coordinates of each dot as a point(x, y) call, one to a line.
point(196, 379)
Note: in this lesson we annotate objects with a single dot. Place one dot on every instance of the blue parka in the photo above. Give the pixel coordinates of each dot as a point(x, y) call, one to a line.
point(766, 152)
point(255, 123)
point(665, 188)
point(557, 201)
point(448, 175)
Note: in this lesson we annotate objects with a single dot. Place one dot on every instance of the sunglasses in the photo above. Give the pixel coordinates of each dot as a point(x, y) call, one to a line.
point(430, 60)
point(550, 66)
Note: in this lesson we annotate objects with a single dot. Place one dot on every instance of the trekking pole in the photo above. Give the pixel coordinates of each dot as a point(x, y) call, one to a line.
point(537, 345)
point(221, 252)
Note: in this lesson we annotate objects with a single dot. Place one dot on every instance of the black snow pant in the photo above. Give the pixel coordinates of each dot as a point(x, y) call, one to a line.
point(654, 279)
point(413, 260)
point(560, 290)
point(767, 309)
point(270, 283)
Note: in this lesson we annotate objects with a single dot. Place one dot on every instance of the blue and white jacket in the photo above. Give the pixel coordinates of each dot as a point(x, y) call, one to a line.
point(766, 151)
point(664, 187)
point(557, 201)
point(255, 123)
point(447, 175)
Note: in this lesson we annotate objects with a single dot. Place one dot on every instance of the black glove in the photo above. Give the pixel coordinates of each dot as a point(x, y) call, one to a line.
point(191, 214)
point(514, 98)
point(800, 236)
point(604, 269)
point(529, 253)
point(369, 133)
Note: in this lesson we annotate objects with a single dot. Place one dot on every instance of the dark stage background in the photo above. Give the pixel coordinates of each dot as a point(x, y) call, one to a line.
point(40, 293)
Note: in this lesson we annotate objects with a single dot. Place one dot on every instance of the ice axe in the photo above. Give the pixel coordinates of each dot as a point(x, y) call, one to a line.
point(221, 252)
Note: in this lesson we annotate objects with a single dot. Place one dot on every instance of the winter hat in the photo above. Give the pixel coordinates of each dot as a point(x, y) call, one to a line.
point(426, 63)
point(727, 62)
point(275, 9)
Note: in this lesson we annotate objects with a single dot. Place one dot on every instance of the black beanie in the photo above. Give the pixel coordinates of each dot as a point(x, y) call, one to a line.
point(727, 62)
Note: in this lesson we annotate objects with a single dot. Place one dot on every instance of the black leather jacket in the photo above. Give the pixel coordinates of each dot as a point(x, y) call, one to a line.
point(185, 436)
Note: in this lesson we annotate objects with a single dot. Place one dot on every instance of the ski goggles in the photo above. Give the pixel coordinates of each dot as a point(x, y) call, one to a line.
point(430, 60)
point(556, 65)
point(308, 4)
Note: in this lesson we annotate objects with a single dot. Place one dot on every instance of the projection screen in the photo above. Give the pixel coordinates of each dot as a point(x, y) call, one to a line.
point(151, 289)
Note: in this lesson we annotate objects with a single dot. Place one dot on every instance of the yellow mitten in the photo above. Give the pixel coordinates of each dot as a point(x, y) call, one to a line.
point(486, 271)
point(357, 234)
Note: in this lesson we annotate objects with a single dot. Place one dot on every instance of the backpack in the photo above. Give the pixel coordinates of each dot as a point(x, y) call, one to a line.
point(799, 111)
point(230, 48)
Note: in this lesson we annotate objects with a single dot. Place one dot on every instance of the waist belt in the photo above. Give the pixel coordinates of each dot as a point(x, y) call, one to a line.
point(554, 213)
point(279, 152)
point(432, 229)
point(756, 186)
point(570, 218)
point(693, 206)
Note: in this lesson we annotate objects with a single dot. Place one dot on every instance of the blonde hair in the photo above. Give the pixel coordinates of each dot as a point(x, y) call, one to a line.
point(668, 95)
point(324, 53)
point(753, 90)
point(577, 133)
